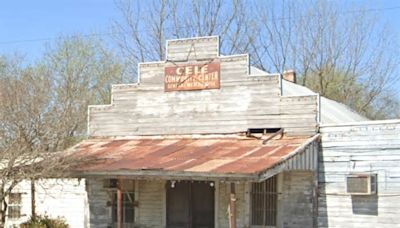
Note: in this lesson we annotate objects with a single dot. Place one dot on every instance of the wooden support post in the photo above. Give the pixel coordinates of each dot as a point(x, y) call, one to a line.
point(232, 207)
point(119, 204)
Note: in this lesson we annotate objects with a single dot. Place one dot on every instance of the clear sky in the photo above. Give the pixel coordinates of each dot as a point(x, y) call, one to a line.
point(26, 25)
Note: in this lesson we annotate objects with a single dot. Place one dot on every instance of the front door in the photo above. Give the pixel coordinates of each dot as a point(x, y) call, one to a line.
point(190, 205)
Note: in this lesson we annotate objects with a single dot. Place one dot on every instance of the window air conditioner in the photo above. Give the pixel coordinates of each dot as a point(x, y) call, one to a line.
point(361, 184)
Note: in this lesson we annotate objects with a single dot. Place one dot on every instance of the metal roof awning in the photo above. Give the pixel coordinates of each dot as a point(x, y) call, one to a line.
point(216, 158)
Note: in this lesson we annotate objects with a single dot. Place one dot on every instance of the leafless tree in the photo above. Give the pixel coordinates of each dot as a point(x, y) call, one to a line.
point(342, 53)
point(43, 109)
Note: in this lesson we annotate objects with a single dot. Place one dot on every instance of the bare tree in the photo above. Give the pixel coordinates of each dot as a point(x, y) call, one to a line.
point(145, 27)
point(343, 54)
point(43, 109)
point(24, 110)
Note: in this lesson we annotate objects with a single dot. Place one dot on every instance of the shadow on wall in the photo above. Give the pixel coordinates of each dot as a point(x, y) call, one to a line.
point(361, 205)
point(365, 205)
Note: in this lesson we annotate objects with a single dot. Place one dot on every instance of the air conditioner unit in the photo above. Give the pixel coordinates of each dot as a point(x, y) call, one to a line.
point(361, 184)
point(110, 183)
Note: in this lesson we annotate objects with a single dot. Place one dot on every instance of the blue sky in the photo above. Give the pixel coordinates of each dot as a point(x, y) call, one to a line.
point(26, 25)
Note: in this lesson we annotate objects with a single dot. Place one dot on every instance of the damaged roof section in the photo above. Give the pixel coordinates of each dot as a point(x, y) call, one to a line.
point(229, 158)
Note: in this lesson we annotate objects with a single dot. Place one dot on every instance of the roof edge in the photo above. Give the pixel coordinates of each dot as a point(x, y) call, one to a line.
point(167, 175)
point(357, 123)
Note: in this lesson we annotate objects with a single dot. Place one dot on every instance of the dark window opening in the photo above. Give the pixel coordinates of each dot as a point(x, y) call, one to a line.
point(14, 205)
point(262, 130)
point(264, 202)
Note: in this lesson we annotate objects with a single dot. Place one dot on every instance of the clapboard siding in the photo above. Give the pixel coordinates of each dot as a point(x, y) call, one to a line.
point(193, 48)
point(250, 103)
point(234, 67)
point(371, 147)
point(241, 102)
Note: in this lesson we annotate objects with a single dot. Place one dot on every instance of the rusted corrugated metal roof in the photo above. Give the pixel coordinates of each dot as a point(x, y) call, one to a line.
point(218, 156)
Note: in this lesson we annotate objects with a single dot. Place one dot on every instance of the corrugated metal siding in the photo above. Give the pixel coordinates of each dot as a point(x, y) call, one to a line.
point(305, 159)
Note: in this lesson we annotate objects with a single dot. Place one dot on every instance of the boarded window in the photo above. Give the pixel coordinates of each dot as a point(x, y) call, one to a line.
point(128, 204)
point(264, 202)
point(14, 206)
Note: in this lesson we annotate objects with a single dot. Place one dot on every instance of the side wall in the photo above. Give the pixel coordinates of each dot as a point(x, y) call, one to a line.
point(64, 198)
point(296, 200)
point(369, 147)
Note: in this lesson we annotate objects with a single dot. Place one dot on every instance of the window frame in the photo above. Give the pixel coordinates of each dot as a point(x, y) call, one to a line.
point(16, 204)
point(274, 183)
point(128, 203)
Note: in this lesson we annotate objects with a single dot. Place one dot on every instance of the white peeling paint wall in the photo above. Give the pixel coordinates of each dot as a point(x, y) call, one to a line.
point(367, 147)
point(65, 198)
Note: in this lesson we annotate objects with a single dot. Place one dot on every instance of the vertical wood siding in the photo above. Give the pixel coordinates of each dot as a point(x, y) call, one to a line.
point(372, 147)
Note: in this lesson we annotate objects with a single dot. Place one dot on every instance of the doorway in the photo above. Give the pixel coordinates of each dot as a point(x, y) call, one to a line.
point(190, 204)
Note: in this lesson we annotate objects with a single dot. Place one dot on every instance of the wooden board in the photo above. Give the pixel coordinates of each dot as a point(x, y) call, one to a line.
point(366, 147)
point(237, 102)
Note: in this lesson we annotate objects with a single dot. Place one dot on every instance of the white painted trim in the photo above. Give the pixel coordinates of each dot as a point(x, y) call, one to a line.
point(193, 38)
point(152, 62)
point(233, 56)
point(138, 74)
point(318, 108)
point(248, 64)
point(280, 85)
point(218, 45)
point(88, 121)
point(369, 122)
point(265, 75)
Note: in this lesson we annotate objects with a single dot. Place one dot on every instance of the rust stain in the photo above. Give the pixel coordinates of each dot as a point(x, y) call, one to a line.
point(221, 155)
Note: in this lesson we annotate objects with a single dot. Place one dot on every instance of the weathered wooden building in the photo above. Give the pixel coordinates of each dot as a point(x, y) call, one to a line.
point(199, 141)
point(204, 140)
point(359, 175)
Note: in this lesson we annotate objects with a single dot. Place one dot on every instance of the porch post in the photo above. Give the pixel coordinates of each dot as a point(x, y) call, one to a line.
point(232, 207)
point(119, 204)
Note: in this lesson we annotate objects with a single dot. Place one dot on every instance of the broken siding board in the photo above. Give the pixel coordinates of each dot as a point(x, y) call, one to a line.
point(371, 147)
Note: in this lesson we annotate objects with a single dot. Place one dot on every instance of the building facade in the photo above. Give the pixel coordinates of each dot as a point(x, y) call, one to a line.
point(204, 140)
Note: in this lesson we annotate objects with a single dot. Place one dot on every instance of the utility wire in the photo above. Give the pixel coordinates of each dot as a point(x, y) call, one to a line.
point(142, 30)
